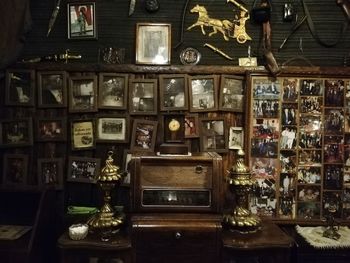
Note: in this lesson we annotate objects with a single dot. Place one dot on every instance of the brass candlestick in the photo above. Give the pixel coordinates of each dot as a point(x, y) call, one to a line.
point(105, 221)
point(241, 184)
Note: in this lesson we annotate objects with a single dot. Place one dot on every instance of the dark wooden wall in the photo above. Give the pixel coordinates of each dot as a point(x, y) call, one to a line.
point(116, 28)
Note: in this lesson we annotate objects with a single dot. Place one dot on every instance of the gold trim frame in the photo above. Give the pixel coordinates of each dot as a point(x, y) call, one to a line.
point(52, 89)
point(153, 44)
point(173, 92)
point(113, 91)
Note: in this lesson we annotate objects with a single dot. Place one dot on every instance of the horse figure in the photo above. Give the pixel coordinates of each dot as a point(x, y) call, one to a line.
point(204, 20)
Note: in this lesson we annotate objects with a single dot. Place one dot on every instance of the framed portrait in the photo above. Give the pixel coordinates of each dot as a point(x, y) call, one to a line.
point(143, 96)
point(81, 20)
point(236, 138)
point(231, 93)
point(52, 89)
point(16, 132)
point(20, 87)
point(191, 126)
point(50, 172)
point(83, 94)
point(83, 169)
point(15, 169)
point(213, 135)
point(112, 128)
point(173, 92)
point(113, 91)
point(203, 93)
point(82, 134)
point(144, 133)
point(51, 129)
point(153, 43)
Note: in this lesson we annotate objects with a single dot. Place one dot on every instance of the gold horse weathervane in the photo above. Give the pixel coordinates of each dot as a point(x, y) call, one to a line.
point(228, 29)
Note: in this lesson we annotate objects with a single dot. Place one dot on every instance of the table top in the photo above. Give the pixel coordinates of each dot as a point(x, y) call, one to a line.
point(270, 236)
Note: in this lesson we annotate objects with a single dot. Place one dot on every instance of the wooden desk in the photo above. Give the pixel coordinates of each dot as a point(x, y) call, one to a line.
point(269, 245)
point(118, 247)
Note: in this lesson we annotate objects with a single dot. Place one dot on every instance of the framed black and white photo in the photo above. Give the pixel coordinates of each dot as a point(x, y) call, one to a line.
point(143, 96)
point(203, 93)
point(112, 128)
point(83, 169)
point(231, 93)
point(52, 89)
point(16, 132)
point(50, 172)
point(83, 94)
point(113, 91)
point(213, 134)
point(173, 92)
point(81, 20)
point(236, 138)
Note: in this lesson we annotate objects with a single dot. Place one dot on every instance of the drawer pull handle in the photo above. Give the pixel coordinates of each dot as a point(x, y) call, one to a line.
point(199, 169)
point(178, 235)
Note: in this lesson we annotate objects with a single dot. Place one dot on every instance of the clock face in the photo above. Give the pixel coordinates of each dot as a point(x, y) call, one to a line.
point(174, 125)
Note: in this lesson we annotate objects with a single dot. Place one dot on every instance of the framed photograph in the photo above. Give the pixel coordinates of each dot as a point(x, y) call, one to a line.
point(112, 128)
point(213, 135)
point(144, 133)
point(143, 96)
point(83, 169)
point(126, 160)
point(174, 128)
point(173, 92)
point(52, 89)
point(20, 87)
point(203, 93)
point(17, 132)
point(51, 129)
point(81, 20)
point(50, 172)
point(113, 91)
point(191, 126)
point(83, 94)
point(15, 169)
point(231, 93)
point(82, 134)
point(236, 138)
point(153, 43)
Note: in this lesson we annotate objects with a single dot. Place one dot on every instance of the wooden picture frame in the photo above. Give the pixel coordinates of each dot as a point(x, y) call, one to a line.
point(16, 132)
point(231, 93)
point(15, 169)
point(112, 128)
point(83, 93)
point(143, 96)
point(81, 20)
point(20, 87)
point(174, 128)
point(213, 136)
point(50, 172)
point(236, 138)
point(83, 134)
point(83, 169)
point(173, 92)
point(52, 89)
point(153, 43)
point(113, 91)
point(203, 93)
point(191, 125)
point(144, 135)
point(51, 129)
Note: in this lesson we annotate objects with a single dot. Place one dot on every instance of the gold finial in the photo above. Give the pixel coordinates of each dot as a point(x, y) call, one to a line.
point(109, 172)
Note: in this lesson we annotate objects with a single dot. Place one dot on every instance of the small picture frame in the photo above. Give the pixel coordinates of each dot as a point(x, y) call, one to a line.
point(191, 125)
point(112, 129)
point(231, 93)
point(81, 20)
point(213, 135)
point(52, 89)
point(83, 169)
point(143, 96)
point(20, 87)
point(51, 129)
point(113, 91)
point(173, 92)
point(126, 166)
point(50, 172)
point(15, 169)
point(144, 135)
point(16, 133)
point(82, 134)
point(203, 93)
point(236, 138)
point(83, 94)
point(153, 43)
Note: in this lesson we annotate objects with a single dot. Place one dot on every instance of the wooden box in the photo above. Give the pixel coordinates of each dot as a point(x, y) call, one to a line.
point(171, 183)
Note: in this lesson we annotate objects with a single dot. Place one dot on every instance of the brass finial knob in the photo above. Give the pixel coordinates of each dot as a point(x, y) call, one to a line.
point(109, 172)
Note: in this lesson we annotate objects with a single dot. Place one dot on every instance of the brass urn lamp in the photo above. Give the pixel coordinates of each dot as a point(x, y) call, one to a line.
point(105, 221)
point(241, 184)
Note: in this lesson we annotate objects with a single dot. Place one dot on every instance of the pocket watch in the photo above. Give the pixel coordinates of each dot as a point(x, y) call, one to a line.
point(174, 125)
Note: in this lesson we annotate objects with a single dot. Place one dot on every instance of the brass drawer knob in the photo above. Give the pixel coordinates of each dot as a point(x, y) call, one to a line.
point(178, 235)
point(199, 169)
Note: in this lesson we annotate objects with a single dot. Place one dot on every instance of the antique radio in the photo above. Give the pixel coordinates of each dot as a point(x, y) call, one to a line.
point(170, 183)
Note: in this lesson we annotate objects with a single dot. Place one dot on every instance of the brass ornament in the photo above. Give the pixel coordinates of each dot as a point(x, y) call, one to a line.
point(215, 49)
point(241, 184)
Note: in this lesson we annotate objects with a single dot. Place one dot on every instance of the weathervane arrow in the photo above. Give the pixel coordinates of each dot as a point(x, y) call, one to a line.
point(53, 16)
